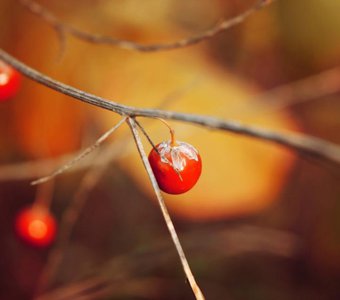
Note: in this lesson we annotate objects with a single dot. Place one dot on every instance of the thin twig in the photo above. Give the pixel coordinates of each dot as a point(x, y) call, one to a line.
point(59, 26)
point(38, 168)
point(195, 288)
point(100, 288)
point(68, 220)
point(87, 151)
point(303, 143)
point(71, 214)
point(146, 135)
point(306, 89)
point(239, 240)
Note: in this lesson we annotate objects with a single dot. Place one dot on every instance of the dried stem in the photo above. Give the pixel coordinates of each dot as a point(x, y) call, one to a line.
point(172, 131)
point(38, 168)
point(67, 223)
point(303, 143)
point(61, 27)
point(310, 88)
point(84, 153)
point(195, 288)
point(71, 214)
point(146, 135)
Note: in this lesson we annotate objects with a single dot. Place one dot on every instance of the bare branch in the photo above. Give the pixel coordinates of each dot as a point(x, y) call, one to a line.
point(195, 288)
point(59, 26)
point(84, 153)
point(33, 168)
point(38, 168)
point(303, 143)
point(306, 89)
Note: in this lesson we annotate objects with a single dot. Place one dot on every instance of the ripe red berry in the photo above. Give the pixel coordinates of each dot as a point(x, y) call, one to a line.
point(9, 81)
point(36, 225)
point(177, 166)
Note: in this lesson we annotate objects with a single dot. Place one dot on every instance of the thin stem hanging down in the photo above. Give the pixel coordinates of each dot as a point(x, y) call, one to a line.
point(84, 153)
point(63, 28)
point(70, 217)
point(195, 288)
point(302, 143)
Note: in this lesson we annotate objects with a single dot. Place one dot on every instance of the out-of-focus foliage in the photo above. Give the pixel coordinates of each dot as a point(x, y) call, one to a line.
point(253, 182)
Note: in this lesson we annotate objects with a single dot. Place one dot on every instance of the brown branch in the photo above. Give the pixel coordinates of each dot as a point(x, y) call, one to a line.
point(59, 26)
point(195, 288)
point(310, 88)
point(303, 143)
point(39, 168)
point(306, 89)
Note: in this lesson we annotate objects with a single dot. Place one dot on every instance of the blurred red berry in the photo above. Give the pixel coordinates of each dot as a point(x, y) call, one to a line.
point(10, 80)
point(177, 167)
point(36, 225)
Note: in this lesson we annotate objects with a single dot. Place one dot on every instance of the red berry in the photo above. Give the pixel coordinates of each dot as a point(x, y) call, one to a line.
point(176, 167)
point(36, 225)
point(9, 81)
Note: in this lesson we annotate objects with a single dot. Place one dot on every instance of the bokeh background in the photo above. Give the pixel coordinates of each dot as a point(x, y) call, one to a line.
point(262, 223)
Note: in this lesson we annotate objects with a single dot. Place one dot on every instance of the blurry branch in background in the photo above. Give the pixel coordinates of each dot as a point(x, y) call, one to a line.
point(63, 28)
point(122, 275)
point(186, 268)
point(305, 144)
point(98, 288)
point(307, 89)
point(72, 212)
point(80, 156)
point(37, 168)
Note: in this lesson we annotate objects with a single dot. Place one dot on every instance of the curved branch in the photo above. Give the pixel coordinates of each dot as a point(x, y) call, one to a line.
point(303, 143)
point(59, 26)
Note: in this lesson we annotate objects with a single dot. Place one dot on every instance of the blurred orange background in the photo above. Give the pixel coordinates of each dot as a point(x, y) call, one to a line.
point(247, 74)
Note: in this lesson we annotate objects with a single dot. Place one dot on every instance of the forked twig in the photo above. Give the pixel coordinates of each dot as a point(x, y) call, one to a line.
point(195, 288)
point(59, 26)
point(87, 151)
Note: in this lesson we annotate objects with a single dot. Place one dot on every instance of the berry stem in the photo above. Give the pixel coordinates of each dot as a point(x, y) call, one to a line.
point(172, 132)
